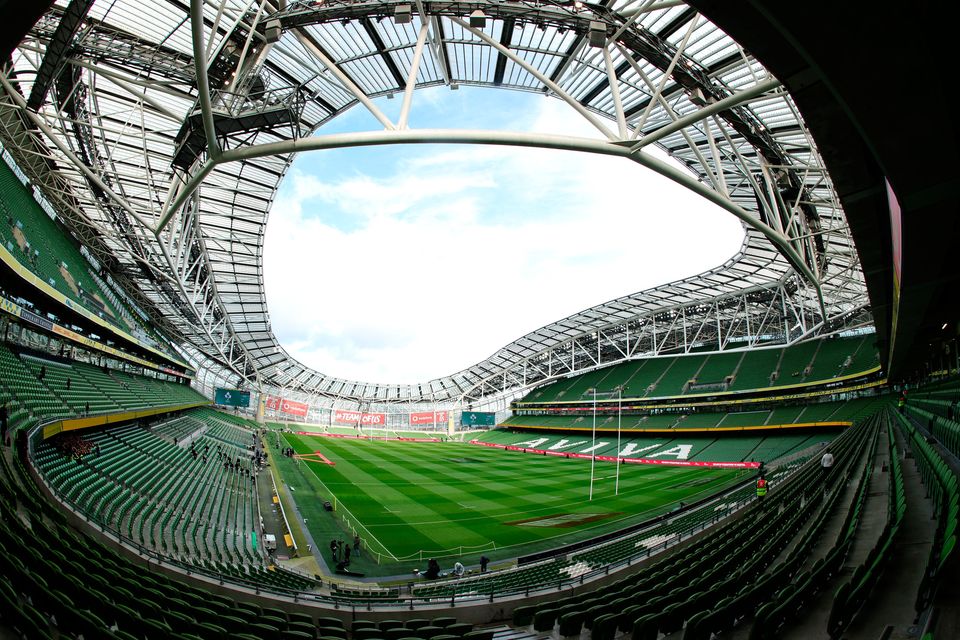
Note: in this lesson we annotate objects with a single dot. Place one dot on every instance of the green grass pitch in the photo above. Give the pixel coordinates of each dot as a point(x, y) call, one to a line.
point(419, 500)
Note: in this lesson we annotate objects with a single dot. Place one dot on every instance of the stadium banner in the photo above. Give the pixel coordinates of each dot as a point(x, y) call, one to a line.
point(17, 311)
point(231, 397)
point(289, 407)
point(360, 437)
point(584, 456)
point(428, 417)
point(341, 416)
point(478, 419)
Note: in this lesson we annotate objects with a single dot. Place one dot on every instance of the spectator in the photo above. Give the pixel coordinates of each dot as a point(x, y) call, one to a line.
point(433, 569)
point(484, 561)
point(458, 569)
point(761, 488)
point(827, 460)
point(356, 545)
point(43, 372)
point(333, 550)
point(346, 555)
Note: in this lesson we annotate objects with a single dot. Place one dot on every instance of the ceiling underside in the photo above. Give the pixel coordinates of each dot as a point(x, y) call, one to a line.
point(167, 179)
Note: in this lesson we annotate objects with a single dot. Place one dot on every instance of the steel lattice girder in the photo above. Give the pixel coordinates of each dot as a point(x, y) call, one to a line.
point(190, 249)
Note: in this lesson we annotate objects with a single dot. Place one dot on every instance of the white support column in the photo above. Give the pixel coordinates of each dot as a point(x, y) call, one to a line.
point(203, 83)
point(412, 77)
point(615, 91)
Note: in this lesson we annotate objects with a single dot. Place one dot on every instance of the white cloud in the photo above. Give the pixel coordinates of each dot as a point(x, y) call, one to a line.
point(409, 270)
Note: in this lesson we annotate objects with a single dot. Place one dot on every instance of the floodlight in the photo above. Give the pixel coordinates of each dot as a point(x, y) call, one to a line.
point(272, 31)
point(478, 19)
point(598, 34)
point(403, 14)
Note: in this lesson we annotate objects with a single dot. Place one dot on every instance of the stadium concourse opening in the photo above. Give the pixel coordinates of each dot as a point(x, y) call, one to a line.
point(169, 470)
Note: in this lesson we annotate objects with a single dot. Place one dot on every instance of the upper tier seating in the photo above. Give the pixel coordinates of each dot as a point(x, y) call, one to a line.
point(38, 388)
point(665, 376)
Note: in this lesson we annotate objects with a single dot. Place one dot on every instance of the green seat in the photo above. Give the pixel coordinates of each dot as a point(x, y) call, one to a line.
point(362, 624)
point(523, 616)
point(431, 632)
point(332, 632)
point(303, 627)
point(443, 621)
point(459, 628)
point(385, 625)
point(416, 623)
point(396, 633)
point(367, 633)
point(544, 620)
point(321, 622)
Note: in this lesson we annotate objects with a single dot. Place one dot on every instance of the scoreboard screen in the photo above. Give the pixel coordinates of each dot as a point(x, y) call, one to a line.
point(478, 419)
point(232, 397)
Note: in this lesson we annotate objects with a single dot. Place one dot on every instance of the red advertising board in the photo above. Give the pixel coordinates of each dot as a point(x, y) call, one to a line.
point(428, 417)
point(287, 406)
point(294, 408)
point(341, 416)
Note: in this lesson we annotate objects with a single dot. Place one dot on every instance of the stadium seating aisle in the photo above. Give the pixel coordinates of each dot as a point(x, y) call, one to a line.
point(943, 488)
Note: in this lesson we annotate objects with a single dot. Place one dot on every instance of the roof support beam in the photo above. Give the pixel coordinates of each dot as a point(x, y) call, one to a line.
point(556, 89)
point(721, 105)
point(54, 56)
point(382, 50)
point(203, 83)
point(506, 37)
point(66, 151)
point(344, 79)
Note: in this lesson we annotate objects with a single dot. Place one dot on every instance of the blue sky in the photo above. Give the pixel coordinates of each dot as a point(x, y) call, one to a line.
point(406, 263)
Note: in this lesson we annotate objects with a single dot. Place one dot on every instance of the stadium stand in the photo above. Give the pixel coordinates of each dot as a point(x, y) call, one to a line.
point(37, 242)
point(813, 361)
point(670, 418)
point(52, 388)
point(194, 504)
point(701, 588)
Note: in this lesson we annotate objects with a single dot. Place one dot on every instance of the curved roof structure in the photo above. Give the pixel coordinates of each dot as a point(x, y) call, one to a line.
point(161, 130)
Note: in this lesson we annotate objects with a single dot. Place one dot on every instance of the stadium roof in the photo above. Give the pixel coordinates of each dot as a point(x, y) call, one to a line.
point(161, 130)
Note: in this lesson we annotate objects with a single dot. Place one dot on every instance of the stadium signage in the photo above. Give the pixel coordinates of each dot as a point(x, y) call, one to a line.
point(669, 463)
point(355, 417)
point(289, 407)
point(24, 314)
point(428, 417)
point(317, 434)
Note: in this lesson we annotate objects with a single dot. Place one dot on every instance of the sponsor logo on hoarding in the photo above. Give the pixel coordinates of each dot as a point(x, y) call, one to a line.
point(354, 417)
point(428, 417)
